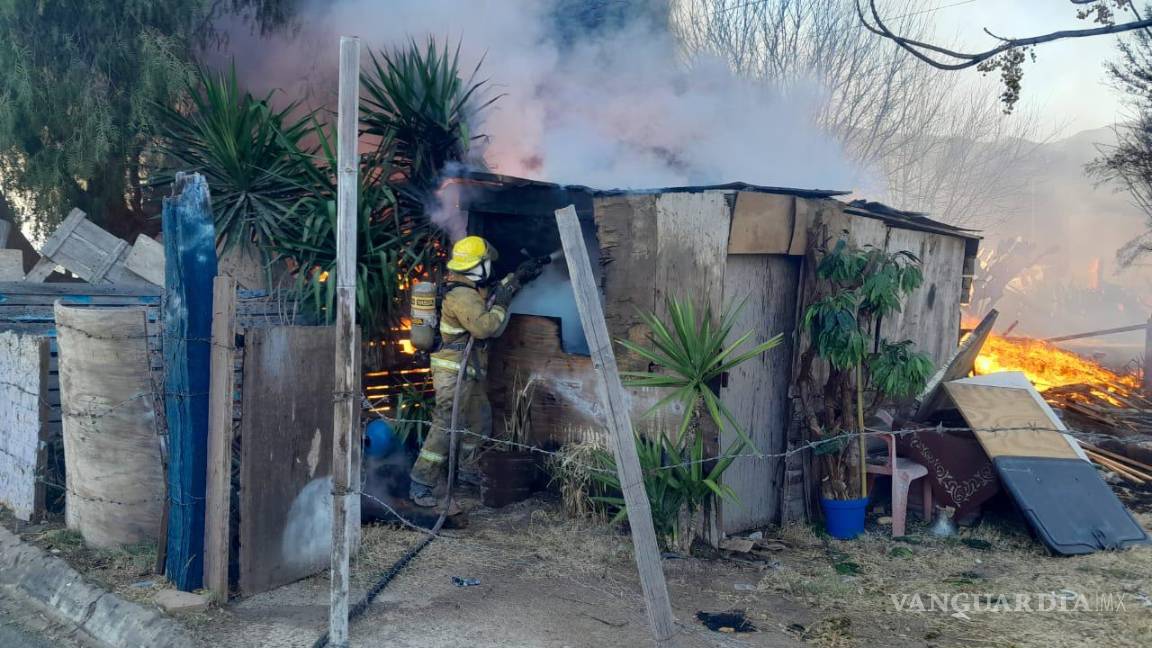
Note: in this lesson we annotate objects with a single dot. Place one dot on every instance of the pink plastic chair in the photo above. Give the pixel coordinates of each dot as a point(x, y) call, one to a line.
point(903, 472)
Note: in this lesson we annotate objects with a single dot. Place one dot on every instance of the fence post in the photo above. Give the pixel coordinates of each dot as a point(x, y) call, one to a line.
point(345, 414)
point(619, 426)
point(190, 266)
point(221, 393)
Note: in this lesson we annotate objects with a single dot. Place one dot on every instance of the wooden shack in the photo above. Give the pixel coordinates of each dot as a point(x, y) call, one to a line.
point(717, 246)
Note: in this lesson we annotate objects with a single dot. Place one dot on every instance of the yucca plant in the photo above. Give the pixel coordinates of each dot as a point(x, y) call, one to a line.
point(856, 288)
point(678, 480)
point(415, 97)
point(392, 246)
point(413, 414)
point(251, 154)
point(691, 352)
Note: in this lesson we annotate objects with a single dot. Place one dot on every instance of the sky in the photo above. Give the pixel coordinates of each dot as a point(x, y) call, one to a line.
point(1067, 83)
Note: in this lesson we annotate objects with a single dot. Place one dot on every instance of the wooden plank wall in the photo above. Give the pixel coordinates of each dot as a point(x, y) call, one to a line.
point(678, 244)
point(757, 391)
point(285, 467)
point(566, 407)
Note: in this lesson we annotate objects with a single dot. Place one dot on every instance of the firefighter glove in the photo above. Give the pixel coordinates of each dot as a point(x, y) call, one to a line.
point(504, 293)
point(529, 270)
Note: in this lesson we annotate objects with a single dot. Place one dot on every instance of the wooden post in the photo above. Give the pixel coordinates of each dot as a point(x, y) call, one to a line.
point(345, 414)
point(1147, 381)
point(190, 267)
point(218, 489)
point(619, 428)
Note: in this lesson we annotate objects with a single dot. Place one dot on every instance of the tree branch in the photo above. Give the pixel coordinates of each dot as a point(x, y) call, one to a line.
point(954, 60)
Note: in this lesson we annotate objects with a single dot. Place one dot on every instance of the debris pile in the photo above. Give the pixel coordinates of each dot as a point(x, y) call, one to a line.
point(1092, 396)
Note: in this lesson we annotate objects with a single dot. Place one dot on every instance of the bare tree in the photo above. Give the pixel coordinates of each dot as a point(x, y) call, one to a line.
point(932, 145)
point(1009, 54)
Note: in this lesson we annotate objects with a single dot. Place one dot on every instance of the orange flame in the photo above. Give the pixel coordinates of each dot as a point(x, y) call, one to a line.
point(1049, 366)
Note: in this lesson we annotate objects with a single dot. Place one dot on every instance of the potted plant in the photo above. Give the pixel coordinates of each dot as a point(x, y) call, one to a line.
point(688, 356)
point(856, 288)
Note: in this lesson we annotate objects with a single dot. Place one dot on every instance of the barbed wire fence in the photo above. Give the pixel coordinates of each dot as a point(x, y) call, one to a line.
point(89, 417)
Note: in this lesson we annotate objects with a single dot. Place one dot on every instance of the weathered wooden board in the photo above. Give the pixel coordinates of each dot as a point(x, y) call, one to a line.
point(762, 223)
point(931, 314)
point(24, 428)
point(86, 250)
point(1009, 423)
point(221, 407)
point(566, 407)
point(111, 441)
point(691, 247)
point(285, 467)
point(958, 365)
point(626, 229)
point(146, 258)
point(11, 264)
point(757, 391)
point(619, 423)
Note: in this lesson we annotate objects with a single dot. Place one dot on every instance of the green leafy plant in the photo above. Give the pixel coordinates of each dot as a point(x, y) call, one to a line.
point(393, 244)
point(416, 97)
point(413, 413)
point(251, 154)
point(856, 289)
point(691, 353)
point(678, 480)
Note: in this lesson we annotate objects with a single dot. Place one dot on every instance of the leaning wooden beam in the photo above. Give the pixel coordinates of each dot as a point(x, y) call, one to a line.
point(619, 427)
point(1111, 331)
point(345, 412)
point(957, 366)
point(218, 489)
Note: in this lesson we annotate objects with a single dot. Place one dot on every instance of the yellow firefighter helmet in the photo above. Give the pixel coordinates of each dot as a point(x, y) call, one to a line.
point(470, 252)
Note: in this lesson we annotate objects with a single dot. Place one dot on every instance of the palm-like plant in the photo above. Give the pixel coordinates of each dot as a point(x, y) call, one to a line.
point(678, 481)
point(391, 247)
point(250, 154)
point(416, 99)
point(693, 352)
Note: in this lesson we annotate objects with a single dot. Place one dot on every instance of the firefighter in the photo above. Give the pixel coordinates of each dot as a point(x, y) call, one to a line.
point(464, 312)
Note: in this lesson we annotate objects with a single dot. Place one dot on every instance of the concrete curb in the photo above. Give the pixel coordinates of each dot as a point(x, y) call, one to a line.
point(61, 592)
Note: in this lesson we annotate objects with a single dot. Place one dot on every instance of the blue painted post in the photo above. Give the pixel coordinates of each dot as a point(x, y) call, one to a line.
point(190, 266)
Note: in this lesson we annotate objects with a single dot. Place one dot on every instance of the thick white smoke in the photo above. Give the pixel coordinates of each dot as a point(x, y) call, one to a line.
point(618, 110)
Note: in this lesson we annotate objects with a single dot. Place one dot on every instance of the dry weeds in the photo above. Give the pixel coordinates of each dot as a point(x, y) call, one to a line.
point(866, 577)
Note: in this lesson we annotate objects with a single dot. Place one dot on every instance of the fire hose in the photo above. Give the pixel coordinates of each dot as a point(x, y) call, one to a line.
point(361, 606)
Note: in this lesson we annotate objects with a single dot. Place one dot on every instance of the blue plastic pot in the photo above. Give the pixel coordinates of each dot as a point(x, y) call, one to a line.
point(844, 519)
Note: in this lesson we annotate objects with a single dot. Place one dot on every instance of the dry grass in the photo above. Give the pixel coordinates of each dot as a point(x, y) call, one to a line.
point(860, 578)
point(572, 469)
point(532, 537)
point(126, 571)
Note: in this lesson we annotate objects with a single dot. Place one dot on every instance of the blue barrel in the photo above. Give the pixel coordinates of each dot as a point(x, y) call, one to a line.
point(379, 438)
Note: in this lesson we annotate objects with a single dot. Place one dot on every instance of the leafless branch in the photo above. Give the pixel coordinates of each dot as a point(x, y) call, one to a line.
point(949, 59)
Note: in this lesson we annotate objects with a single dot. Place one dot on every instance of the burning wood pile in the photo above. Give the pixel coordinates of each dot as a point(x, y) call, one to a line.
point(1094, 397)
